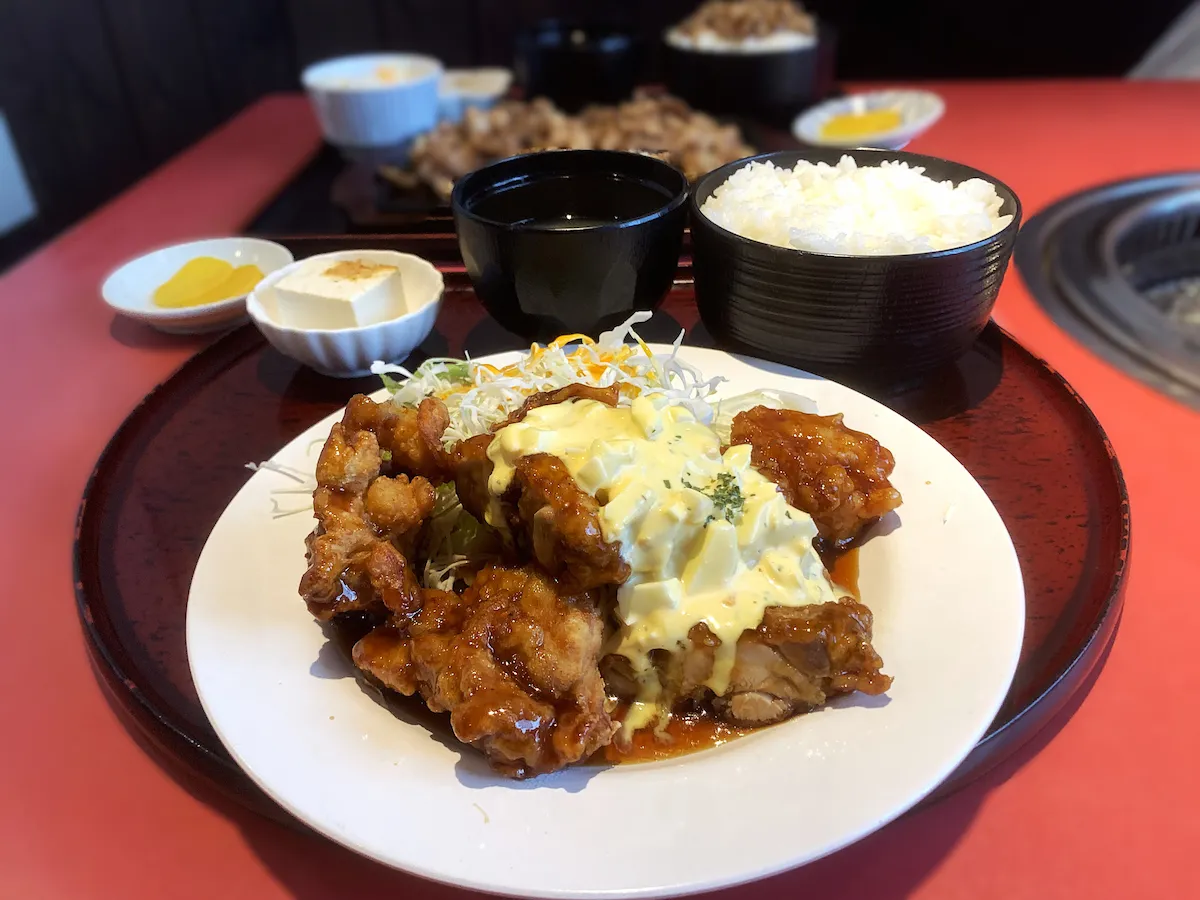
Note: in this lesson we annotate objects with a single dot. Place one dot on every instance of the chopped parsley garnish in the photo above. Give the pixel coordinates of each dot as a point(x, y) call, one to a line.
point(666, 484)
point(726, 496)
point(385, 455)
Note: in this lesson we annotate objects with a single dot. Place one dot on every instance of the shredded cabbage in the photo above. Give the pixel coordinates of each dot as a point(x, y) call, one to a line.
point(731, 406)
point(456, 544)
point(478, 395)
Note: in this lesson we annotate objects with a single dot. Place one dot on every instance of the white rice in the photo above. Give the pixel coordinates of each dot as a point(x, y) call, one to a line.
point(711, 42)
point(853, 210)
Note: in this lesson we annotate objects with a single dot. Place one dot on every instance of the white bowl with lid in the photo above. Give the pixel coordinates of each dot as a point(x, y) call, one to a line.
point(349, 352)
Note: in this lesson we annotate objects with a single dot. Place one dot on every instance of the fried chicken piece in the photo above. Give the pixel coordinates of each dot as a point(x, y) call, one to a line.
point(837, 475)
point(471, 469)
point(468, 461)
point(798, 658)
point(366, 522)
point(411, 436)
point(795, 661)
point(353, 561)
point(548, 515)
point(398, 506)
point(349, 460)
point(416, 439)
point(606, 395)
point(561, 523)
point(341, 536)
point(512, 659)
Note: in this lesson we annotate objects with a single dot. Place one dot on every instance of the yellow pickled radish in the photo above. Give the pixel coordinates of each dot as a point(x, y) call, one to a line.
point(204, 280)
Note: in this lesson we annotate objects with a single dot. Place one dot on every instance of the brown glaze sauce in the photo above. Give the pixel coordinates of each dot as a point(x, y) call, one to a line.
point(685, 734)
point(843, 569)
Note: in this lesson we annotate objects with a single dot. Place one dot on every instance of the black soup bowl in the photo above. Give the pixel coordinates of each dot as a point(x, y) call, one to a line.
point(872, 321)
point(568, 241)
point(575, 63)
point(769, 85)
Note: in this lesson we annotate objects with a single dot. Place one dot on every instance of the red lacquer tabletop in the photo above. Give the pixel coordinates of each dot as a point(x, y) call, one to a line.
point(1102, 804)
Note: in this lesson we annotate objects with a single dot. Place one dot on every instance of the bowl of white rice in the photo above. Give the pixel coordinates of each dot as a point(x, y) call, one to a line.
point(865, 265)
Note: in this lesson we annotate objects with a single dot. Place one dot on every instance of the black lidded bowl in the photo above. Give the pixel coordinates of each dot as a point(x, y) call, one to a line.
point(570, 241)
point(768, 86)
point(874, 321)
point(575, 63)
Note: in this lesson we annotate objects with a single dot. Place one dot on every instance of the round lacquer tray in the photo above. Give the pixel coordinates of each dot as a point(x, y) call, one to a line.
point(181, 456)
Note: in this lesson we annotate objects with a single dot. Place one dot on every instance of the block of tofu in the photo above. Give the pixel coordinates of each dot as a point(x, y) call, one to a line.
point(342, 293)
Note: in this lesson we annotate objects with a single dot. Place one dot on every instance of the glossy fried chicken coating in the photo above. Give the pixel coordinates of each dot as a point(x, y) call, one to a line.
point(471, 468)
point(412, 436)
point(468, 460)
point(548, 515)
point(795, 661)
point(798, 658)
point(606, 395)
point(366, 522)
point(837, 475)
point(513, 659)
point(561, 523)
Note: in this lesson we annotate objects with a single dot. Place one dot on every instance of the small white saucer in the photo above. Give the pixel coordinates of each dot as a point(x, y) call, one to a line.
point(130, 289)
point(918, 111)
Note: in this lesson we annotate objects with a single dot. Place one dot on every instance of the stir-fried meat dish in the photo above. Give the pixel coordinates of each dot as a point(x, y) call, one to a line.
point(662, 125)
point(737, 20)
point(523, 654)
point(837, 475)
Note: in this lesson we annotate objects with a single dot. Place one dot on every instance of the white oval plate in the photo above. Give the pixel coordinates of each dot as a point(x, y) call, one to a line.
point(918, 111)
point(943, 581)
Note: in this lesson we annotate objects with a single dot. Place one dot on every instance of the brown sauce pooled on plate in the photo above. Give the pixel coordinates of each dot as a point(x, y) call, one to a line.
point(843, 570)
point(687, 735)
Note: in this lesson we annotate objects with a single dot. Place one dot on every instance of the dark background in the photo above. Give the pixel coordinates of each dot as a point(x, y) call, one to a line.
point(98, 92)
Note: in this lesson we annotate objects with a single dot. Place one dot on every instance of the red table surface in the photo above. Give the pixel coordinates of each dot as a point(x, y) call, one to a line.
point(1103, 804)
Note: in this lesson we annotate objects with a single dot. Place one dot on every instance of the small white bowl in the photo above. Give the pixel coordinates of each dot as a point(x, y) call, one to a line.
point(130, 289)
point(374, 99)
point(349, 352)
point(463, 88)
point(918, 111)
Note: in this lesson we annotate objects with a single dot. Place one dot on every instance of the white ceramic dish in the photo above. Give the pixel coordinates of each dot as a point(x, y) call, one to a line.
point(130, 289)
point(942, 579)
point(918, 111)
point(349, 352)
point(463, 88)
point(374, 99)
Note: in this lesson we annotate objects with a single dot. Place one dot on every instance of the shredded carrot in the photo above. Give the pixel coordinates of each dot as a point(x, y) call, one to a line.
point(560, 342)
